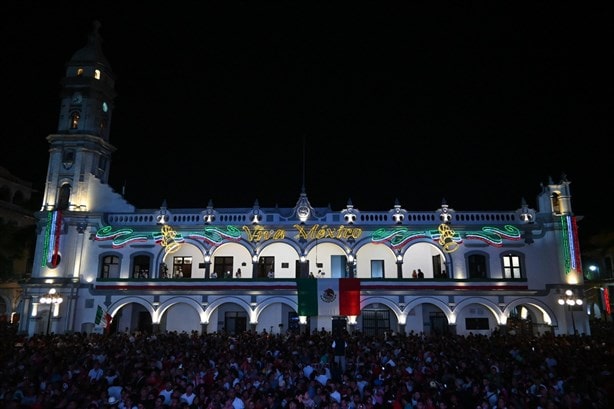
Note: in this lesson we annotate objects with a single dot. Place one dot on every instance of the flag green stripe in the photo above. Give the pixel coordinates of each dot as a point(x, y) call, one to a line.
point(307, 296)
point(99, 313)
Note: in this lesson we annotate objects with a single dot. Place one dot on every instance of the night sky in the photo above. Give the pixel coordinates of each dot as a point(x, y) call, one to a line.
point(365, 101)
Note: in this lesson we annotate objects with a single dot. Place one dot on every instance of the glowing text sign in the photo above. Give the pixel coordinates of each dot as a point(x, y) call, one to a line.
point(315, 232)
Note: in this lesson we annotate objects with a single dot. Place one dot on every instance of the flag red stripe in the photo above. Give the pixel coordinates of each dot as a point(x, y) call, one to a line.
point(349, 290)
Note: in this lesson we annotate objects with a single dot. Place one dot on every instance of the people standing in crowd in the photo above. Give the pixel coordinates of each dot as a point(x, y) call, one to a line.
point(421, 370)
point(339, 346)
point(96, 372)
point(188, 395)
point(167, 392)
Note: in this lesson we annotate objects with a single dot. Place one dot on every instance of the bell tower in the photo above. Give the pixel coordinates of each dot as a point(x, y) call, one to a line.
point(80, 151)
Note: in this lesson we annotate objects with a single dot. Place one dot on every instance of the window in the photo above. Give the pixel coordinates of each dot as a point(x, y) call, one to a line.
point(140, 267)
point(222, 266)
point(110, 267)
point(438, 271)
point(79, 72)
point(511, 266)
point(74, 120)
point(476, 266)
point(339, 266)
point(377, 268)
point(64, 197)
point(182, 267)
point(266, 264)
point(556, 204)
point(97, 74)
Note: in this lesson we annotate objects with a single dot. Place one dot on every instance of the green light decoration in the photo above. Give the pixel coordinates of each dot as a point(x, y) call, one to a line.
point(121, 237)
point(124, 236)
point(395, 236)
point(493, 236)
point(215, 235)
point(47, 239)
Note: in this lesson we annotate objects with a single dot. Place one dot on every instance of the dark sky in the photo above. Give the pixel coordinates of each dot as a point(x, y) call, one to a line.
point(364, 101)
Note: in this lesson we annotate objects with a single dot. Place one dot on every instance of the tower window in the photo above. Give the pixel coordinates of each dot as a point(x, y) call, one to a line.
point(64, 197)
point(74, 120)
point(97, 74)
point(79, 72)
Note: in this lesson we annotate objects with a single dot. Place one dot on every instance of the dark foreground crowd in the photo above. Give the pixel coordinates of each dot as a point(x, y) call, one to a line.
point(304, 371)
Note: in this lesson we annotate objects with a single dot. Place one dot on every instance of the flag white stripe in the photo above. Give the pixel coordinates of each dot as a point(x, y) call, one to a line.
point(328, 296)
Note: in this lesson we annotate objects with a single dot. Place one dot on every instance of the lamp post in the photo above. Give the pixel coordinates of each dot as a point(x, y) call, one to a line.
point(571, 301)
point(52, 299)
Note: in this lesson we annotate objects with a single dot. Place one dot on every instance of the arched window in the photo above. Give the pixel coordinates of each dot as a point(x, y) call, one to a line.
point(74, 120)
point(109, 267)
point(556, 205)
point(64, 197)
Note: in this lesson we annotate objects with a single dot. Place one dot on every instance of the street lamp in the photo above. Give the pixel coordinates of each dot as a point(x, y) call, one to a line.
point(52, 299)
point(571, 301)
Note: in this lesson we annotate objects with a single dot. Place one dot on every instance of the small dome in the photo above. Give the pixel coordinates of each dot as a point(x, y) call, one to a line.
point(91, 54)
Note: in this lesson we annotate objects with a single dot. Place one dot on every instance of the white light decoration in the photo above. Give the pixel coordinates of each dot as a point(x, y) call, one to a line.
point(570, 300)
point(53, 299)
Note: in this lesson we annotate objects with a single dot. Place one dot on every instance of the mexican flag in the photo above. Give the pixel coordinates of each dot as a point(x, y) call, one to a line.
point(99, 315)
point(103, 319)
point(328, 296)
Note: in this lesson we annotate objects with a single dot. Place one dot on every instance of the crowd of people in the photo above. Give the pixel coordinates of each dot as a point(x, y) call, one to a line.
point(304, 371)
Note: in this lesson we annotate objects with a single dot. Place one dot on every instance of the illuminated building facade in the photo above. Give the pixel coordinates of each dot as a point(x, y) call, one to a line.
point(302, 268)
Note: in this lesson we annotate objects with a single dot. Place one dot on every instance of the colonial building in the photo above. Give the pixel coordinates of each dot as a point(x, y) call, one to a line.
point(299, 268)
point(17, 223)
